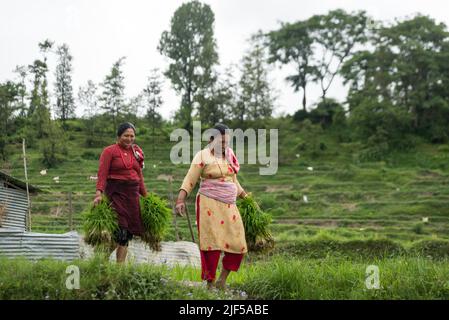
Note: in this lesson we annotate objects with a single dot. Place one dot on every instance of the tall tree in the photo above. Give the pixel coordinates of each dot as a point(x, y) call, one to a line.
point(336, 35)
point(39, 111)
point(22, 73)
point(153, 99)
point(112, 99)
point(65, 105)
point(292, 43)
point(217, 103)
point(87, 97)
point(9, 98)
point(191, 47)
point(133, 107)
point(407, 72)
point(256, 98)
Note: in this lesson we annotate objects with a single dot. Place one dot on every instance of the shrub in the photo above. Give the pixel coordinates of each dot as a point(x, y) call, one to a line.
point(90, 155)
point(431, 248)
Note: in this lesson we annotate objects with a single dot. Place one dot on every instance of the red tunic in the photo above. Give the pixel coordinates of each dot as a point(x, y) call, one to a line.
point(119, 163)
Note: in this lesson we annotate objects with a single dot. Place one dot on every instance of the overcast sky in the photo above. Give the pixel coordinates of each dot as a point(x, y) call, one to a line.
point(98, 32)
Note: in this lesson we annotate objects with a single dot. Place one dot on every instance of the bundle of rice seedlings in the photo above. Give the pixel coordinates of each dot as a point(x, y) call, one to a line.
point(156, 218)
point(256, 223)
point(100, 225)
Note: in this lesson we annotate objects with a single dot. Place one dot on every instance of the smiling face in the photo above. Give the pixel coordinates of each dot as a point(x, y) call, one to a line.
point(127, 138)
point(220, 143)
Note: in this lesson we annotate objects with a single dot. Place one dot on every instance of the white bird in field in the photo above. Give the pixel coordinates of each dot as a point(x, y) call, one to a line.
point(425, 219)
point(306, 200)
point(310, 168)
point(56, 179)
point(297, 155)
point(154, 166)
point(43, 172)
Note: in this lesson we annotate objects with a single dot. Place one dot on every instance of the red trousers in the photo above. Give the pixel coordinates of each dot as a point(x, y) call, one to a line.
point(209, 259)
point(209, 263)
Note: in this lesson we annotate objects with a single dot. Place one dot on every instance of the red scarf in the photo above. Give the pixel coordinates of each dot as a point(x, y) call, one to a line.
point(232, 159)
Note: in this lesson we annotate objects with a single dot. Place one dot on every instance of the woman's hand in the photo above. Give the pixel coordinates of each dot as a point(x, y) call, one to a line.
point(180, 207)
point(243, 194)
point(98, 197)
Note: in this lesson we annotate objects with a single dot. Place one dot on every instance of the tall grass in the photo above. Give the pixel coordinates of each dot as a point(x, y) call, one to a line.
point(399, 278)
point(99, 280)
point(274, 278)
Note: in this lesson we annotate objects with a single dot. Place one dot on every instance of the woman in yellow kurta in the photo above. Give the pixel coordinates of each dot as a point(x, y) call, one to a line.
point(220, 226)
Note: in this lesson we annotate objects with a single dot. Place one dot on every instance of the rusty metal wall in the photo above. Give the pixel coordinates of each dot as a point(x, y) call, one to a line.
point(34, 246)
point(16, 207)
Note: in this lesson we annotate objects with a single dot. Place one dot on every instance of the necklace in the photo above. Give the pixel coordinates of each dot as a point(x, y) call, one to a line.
point(219, 167)
point(123, 159)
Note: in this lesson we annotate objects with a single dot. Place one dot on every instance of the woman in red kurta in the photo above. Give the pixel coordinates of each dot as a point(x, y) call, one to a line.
point(120, 178)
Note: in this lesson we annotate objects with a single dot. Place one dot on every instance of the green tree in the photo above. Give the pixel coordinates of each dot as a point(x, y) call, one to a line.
point(335, 36)
point(256, 94)
point(87, 97)
point(325, 112)
point(22, 73)
point(65, 105)
point(39, 112)
point(407, 70)
point(292, 44)
point(133, 106)
point(9, 104)
point(153, 99)
point(191, 47)
point(53, 148)
point(216, 103)
point(112, 99)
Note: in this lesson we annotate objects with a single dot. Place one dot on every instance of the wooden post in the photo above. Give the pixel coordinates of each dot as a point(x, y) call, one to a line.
point(28, 219)
point(70, 211)
point(170, 178)
point(190, 225)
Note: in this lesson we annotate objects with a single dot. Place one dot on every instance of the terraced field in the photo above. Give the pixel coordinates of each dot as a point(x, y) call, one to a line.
point(339, 196)
point(333, 215)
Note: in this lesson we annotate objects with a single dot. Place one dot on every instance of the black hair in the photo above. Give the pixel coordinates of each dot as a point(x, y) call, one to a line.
point(123, 127)
point(221, 128)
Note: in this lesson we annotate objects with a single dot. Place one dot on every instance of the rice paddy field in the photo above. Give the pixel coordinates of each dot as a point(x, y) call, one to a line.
point(334, 216)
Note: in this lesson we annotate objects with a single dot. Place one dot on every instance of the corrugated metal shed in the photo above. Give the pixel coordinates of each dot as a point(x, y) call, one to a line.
point(172, 253)
point(13, 201)
point(34, 246)
point(16, 183)
point(15, 241)
point(16, 207)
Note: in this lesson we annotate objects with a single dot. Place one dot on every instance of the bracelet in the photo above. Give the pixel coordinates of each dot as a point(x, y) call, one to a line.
point(180, 201)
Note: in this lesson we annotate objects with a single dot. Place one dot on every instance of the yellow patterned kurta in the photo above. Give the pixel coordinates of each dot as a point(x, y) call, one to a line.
point(220, 224)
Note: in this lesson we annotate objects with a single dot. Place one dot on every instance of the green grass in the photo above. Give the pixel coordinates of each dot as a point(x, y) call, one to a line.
point(99, 280)
point(400, 278)
point(274, 278)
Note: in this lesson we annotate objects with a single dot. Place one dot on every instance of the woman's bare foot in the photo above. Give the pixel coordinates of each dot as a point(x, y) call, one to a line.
point(210, 285)
point(220, 285)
